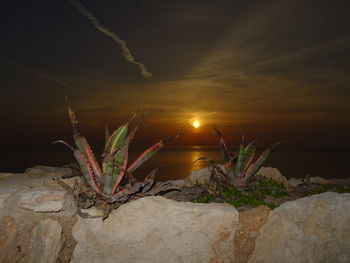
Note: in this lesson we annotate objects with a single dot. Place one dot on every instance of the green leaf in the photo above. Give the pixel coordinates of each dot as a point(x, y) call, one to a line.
point(116, 169)
point(240, 157)
point(114, 141)
point(117, 162)
point(118, 137)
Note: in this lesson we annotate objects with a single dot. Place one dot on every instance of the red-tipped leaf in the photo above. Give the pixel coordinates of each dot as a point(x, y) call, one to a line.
point(240, 157)
point(85, 166)
point(262, 158)
point(223, 148)
point(149, 153)
point(82, 144)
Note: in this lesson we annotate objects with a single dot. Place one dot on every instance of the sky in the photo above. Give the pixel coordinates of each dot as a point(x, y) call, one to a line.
point(273, 70)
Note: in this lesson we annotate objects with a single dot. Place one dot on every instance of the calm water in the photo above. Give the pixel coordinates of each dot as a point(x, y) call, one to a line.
point(177, 162)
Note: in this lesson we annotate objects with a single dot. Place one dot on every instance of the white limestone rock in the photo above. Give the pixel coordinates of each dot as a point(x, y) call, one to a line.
point(311, 229)
point(201, 176)
point(273, 173)
point(5, 193)
point(46, 242)
point(294, 182)
point(319, 180)
point(8, 248)
point(43, 200)
point(5, 175)
point(49, 171)
point(155, 229)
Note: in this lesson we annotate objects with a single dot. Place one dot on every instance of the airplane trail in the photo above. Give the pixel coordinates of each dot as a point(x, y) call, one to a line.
point(121, 43)
point(276, 96)
point(45, 76)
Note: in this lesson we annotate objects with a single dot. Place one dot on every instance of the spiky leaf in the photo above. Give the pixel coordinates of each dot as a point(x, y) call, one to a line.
point(85, 166)
point(149, 181)
point(240, 157)
point(117, 163)
point(249, 153)
point(223, 148)
point(107, 134)
point(116, 166)
point(117, 138)
point(149, 153)
point(114, 141)
point(259, 162)
point(82, 144)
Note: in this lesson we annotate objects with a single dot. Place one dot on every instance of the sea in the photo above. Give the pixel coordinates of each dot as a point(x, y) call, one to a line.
point(178, 162)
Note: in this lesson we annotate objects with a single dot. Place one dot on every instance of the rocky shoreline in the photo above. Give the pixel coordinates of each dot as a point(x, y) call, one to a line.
point(39, 223)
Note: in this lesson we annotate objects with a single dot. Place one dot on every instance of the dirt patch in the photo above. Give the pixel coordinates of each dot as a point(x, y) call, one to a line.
point(250, 222)
point(7, 239)
point(69, 243)
point(188, 194)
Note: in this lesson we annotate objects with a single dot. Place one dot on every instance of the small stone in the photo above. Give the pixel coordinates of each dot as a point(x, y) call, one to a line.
point(42, 200)
point(177, 183)
point(294, 182)
point(273, 173)
point(70, 181)
point(319, 180)
point(93, 211)
point(201, 176)
point(46, 242)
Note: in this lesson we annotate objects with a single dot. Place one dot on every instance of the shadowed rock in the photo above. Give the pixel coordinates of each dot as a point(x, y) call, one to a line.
point(311, 229)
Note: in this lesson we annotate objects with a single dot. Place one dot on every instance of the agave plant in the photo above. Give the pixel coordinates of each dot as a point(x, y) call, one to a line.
point(113, 181)
point(240, 167)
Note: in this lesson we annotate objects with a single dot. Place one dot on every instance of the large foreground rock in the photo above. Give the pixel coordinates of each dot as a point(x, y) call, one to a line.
point(155, 229)
point(312, 229)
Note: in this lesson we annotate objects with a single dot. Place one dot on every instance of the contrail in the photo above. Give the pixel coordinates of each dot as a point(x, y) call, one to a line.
point(126, 52)
point(45, 76)
point(277, 96)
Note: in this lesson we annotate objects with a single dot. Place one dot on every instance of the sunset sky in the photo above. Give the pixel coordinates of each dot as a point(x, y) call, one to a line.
point(274, 70)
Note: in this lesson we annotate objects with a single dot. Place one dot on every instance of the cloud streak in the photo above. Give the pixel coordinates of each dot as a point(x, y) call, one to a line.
point(121, 43)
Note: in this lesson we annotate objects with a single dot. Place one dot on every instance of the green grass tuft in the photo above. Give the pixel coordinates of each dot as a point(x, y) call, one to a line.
point(261, 188)
point(341, 189)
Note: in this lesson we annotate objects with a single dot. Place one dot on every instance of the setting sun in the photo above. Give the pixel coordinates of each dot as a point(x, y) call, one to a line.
point(196, 124)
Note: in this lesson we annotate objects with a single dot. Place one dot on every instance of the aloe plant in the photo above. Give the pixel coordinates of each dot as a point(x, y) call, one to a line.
point(109, 179)
point(239, 168)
